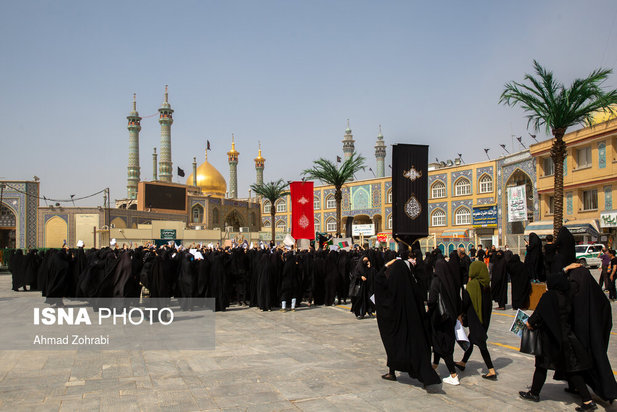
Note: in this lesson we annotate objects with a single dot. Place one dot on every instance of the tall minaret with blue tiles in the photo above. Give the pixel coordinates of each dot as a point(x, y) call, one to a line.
point(134, 127)
point(232, 156)
point(260, 162)
point(380, 155)
point(166, 120)
point(348, 143)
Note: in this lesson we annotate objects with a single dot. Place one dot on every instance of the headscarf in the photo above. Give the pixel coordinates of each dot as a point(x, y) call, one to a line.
point(566, 252)
point(478, 279)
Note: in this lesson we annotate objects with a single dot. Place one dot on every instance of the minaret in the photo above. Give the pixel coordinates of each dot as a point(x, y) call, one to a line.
point(166, 120)
point(380, 155)
point(259, 167)
point(154, 165)
point(134, 127)
point(233, 169)
point(195, 171)
point(348, 143)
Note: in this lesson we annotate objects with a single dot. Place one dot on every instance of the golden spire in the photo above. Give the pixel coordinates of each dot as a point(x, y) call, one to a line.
point(233, 151)
point(259, 158)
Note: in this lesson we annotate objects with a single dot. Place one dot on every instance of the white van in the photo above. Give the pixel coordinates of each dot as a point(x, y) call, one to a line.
point(589, 255)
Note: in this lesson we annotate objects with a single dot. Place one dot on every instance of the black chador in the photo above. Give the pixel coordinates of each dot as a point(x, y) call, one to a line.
point(402, 322)
point(499, 280)
point(521, 284)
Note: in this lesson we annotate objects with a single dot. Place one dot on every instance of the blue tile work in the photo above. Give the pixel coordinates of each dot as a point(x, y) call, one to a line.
point(64, 217)
point(608, 197)
point(32, 211)
point(455, 175)
point(346, 201)
point(486, 200)
point(565, 166)
point(326, 192)
point(569, 203)
point(601, 155)
point(388, 185)
point(16, 196)
point(326, 215)
point(440, 205)
point(198, 202)
point(376, 192)
point(458, 203)
point(482, 170)
point(265, 219)
point(432, 178)
point(369, 212)
point(505, 170)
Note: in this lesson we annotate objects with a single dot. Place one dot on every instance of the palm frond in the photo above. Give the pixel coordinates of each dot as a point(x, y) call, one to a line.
point(272, 191)
point(327, 172)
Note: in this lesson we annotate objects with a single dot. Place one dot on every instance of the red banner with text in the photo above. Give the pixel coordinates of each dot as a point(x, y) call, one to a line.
point(302, 214)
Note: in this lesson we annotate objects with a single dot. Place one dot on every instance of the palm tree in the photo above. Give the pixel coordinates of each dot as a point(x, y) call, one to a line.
point(552, 106)
point(271, 191)
point(327, 172)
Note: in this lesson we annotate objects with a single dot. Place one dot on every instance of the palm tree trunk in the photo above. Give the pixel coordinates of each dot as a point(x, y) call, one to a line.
point(273, 215)
point(338, 197)
point(558, 154)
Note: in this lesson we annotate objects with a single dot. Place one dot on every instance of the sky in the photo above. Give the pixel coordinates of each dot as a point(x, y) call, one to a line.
point(287, 73)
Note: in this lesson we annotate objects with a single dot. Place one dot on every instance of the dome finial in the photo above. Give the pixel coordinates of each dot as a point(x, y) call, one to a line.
point(134, 102)
point(380, 136)
point(166, 95)
point(348, 130)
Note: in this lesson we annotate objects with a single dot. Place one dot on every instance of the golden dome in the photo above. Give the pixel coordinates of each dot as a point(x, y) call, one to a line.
point(209, 180)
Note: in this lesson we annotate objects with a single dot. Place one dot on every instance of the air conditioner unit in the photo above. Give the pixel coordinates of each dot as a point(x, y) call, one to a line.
point(197, 227)
point(113, 226)
point(244, 229)
point(229, 228)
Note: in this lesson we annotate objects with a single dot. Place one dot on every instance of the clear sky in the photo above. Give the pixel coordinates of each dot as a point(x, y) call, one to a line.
point(288, 73)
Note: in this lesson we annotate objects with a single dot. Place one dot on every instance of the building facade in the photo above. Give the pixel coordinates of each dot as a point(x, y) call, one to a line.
point(19, 202)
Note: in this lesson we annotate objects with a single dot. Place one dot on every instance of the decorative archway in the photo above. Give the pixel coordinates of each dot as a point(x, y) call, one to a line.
point(234, 220)
point(8, 227)
point(56, 232)
point(519, 178)
point(197, 214)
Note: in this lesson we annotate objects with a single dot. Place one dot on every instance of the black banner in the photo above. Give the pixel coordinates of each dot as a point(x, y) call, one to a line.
point(409, 192)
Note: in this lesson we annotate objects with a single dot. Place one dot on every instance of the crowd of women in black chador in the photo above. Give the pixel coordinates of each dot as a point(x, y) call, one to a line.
point(259, 277)
point(573, 319)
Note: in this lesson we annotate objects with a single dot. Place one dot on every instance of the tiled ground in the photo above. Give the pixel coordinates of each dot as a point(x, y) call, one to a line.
point(318, 359)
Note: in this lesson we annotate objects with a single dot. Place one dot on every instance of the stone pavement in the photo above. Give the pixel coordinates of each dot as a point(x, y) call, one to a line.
point(314, 359)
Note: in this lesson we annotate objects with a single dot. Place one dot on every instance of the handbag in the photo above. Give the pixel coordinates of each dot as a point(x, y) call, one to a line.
point(441, 309)
point(531, 342)
point(354, 289)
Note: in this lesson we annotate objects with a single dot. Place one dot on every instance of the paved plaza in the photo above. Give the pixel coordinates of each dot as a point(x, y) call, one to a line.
point(314, 359)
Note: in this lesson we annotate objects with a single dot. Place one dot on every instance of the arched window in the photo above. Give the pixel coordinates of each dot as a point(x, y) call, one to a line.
point(486, 184)
point(317, 226)
point(197, 214)
point(330, 202)
point(280, 224)
point(389, 196)
point(281, 206)
point(331, 225)
point(267, 206)
point(215, 216)
point(438, 190)
point(462, 216)
point(316, 203)
point(389, 222)
point(267, 223)
point(462, 187)
point(438, 218)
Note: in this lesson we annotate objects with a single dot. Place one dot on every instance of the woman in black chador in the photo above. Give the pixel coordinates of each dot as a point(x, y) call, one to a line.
point(521, 284)
point(533, 258)
point(444, 307)
point(561, 349)
point(290, 281)
point(362, 275)
point(477, 308)
point(499, 280)
point(403, 323)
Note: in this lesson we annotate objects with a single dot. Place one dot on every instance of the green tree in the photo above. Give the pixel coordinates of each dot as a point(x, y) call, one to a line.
point(555, 108)
point(327, 172)
point(272, 191)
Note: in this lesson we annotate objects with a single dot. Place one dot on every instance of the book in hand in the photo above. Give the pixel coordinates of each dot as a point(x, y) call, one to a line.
point(518, 324)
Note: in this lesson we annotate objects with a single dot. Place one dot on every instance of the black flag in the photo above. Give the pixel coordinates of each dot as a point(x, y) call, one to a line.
point(338, 159)
point(180, 172)
point(208, 145)
point(409, 192)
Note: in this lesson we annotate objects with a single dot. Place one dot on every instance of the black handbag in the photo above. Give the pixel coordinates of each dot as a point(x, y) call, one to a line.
point(354, 289)
point(531, 342)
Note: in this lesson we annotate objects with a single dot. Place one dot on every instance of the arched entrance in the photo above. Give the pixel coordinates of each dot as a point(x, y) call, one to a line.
point(519, 178)
point(8, 225)
point(234, 220)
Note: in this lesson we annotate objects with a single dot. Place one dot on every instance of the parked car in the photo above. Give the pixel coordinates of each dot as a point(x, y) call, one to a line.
point(589, 255)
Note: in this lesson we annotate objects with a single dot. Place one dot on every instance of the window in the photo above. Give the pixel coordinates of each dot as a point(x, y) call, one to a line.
point(267, 223)
point(438, 190)
point(331, 225)
point(330, 202)
point(389, 222)
point(281, 206)
point(462, 187)
point(317, 226)
point(389, 196)
point(280, 225)
point(549, 166)
point(438, 218)
point(267, 206)
point(486, 184)
point(316, 203)
point(551, 205)
point(590, 200)
point(583, 157)
point(197, 214)
point(462, 216)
